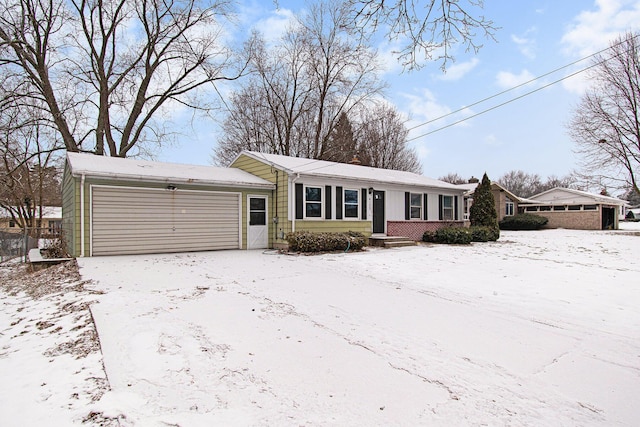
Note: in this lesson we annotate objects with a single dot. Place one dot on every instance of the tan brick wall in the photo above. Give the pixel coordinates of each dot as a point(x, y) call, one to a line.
point(578, 220)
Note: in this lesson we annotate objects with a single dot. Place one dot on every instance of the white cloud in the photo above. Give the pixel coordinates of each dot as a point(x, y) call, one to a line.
point(275, 24)
point(507, 80)
point(458, 71)
point(525, 43)
point(592, 30)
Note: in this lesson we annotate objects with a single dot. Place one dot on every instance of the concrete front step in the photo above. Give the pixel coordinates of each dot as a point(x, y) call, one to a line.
point(390, 241)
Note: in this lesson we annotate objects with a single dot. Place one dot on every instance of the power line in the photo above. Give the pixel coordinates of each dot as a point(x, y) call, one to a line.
point(509, 90)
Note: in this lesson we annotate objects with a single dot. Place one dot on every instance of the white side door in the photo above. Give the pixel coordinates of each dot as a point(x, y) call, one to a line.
point(257, 226)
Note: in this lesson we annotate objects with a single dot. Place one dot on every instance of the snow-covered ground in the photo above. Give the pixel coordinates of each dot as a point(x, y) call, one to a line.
point(539, 328)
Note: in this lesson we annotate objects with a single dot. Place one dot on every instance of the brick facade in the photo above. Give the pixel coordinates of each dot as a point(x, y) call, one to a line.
point(577, 220)
point(415, 229)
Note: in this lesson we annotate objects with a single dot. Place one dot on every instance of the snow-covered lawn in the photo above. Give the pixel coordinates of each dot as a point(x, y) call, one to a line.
point(539, 328)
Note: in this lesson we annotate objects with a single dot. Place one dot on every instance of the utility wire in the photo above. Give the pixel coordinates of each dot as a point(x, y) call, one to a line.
point(509, 90)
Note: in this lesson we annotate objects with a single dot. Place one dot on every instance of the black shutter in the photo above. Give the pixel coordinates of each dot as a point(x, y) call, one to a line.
point(425, 216)
point(338, 202)
point(407, 206)
point(299, 201)
point(327, 202)
point(455, 206)
point(440, 213)
point(364, 203)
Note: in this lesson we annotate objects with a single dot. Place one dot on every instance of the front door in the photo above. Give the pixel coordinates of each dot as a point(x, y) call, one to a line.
point(378, 212)
point(257, 229)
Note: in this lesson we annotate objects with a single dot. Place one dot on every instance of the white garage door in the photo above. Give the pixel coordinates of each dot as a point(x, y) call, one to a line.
point(128, 220)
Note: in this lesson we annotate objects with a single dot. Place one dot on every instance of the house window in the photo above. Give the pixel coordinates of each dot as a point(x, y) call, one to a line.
point(416, 206)
point(574, 207)
point(447, 208)
point(559, 208)
point(545, 208)
point(509, 207)
point(257, 211)
point(351, 203)
point(12, 223)
point(531, 208)
point(590, 207)
point(313, 202)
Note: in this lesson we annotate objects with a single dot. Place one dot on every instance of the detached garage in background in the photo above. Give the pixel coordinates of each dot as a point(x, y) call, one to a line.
point(116, 206)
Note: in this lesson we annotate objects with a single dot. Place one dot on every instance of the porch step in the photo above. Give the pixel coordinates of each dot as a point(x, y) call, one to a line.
point(390, 241)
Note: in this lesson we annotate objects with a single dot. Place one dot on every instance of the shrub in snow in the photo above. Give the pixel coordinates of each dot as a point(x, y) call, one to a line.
point(453, 235)
point(484, 234)
point(429, 236)
point(307, 241)
point(523, 221)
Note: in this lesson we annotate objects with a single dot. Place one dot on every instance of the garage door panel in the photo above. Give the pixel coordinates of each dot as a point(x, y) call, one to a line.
point(134, 220)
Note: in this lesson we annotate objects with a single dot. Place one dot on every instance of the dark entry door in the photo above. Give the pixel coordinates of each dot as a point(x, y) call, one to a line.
point(378, 211)
point(608, 218)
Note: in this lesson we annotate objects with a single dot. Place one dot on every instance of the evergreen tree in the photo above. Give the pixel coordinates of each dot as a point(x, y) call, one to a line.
point(341, 146)
point(483, 211)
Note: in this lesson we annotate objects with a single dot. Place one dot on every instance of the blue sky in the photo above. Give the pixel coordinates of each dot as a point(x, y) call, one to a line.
point(535, 37)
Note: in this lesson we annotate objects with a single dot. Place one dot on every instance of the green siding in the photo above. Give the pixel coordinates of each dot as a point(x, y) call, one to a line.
point(279, 202)
point(363, 227)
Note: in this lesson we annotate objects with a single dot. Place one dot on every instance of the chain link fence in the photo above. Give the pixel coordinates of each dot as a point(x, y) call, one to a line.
point(13, 245)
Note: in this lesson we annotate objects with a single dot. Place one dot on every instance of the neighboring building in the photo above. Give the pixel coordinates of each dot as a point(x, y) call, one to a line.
point(48, 225)
point(505, 201)
point(569, 208)
point(316, 195)
point(123, 206)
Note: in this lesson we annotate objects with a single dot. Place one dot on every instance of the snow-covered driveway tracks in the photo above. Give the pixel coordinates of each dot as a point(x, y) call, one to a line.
point(536, 329)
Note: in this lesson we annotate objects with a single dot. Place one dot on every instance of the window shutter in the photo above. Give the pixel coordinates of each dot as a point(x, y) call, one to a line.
point(440, 203)
point(327, 204)
point(338, 202)
point(299, 201)
point(407, 206)
point(455, 207)
point(364, 203)
point(425, 205)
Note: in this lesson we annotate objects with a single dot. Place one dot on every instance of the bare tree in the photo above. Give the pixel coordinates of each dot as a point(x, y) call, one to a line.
point(525, 185)
point(606, 123)
point(103, 71)
point(425, 29)
point(382, 136)
point(453, 178)
point(29, 165)
point(299, 88)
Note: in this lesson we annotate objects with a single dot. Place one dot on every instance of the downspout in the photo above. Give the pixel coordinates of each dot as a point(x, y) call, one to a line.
point(82, 215)
point(292, 206)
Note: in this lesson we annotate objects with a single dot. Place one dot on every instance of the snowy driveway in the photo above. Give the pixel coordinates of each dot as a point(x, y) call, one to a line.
point(540, 328)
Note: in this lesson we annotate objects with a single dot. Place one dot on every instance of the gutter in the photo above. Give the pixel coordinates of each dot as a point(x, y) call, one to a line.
point(82, 179)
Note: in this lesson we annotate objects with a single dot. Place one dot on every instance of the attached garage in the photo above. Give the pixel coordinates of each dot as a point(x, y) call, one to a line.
point(114, 206)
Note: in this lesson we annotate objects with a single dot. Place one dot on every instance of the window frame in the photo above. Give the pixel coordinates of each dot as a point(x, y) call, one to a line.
point(350, 204)
point(308, 202)
point(415, 207)
point(446, 209)
point(509, 207)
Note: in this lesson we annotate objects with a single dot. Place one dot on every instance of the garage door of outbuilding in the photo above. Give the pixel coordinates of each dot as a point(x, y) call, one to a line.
point(126, 220)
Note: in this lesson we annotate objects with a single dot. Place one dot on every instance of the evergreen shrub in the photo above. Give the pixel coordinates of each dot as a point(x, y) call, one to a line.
point(307, 241)
point(484, 234)
point(453, 235)
point(523, 221)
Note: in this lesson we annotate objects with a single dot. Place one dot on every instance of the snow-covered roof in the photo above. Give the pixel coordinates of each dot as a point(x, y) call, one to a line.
point(568, 196)
point(323, 168)
point(48, 212)
point(144, 170)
